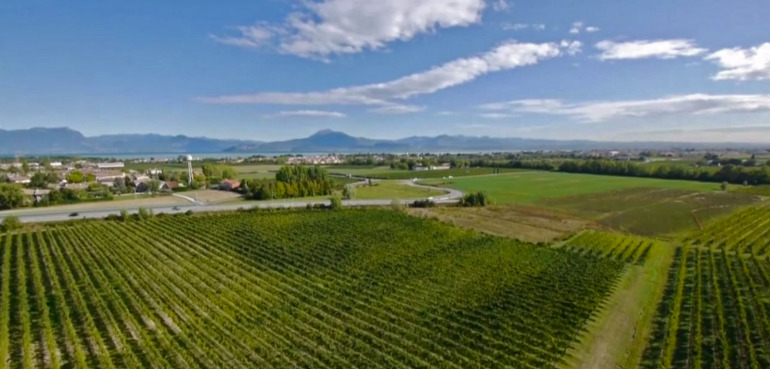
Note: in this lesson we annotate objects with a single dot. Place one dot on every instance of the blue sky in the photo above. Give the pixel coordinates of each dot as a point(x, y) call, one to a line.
point(276, 69)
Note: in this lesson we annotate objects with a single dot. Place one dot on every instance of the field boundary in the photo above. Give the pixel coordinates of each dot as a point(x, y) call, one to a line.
point(617, 335)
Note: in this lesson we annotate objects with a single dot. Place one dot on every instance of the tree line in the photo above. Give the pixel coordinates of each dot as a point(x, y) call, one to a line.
point(291, 181)
point(729, 173)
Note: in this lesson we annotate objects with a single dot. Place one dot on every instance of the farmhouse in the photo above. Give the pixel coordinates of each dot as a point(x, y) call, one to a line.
point(229, 185)
point(36, 194)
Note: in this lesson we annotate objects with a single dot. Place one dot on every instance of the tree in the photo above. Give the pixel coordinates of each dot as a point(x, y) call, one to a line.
point(11, 223)
point(38, 180)
point(153, 186)
point(11, 196)
point(75, 176)
point(349, 192)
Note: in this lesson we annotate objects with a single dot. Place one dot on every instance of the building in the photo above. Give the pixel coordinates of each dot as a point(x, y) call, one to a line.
point(115, 165)
point(37, 194)
point(229, 185)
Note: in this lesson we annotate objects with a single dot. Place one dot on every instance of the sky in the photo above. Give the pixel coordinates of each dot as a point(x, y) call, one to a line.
point(632, 70)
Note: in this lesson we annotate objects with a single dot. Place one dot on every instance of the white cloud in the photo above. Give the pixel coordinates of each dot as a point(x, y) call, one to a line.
point(523, 26)
point(498, 115)
point(743, 64)
point(601, 111)
point(398, 109)
point(578, 27)
point(250, 36)
point(662, 49)
point(500, 5)
point(507, 56)
point(328, 27)
point(307, 113)
point(572, 47)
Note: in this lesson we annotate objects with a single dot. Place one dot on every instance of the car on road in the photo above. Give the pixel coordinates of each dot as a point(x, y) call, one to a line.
point(74, 214)
point(175, 208)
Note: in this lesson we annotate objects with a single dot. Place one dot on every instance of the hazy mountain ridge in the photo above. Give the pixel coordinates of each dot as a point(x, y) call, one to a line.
point(51, 141)
point(41, 141)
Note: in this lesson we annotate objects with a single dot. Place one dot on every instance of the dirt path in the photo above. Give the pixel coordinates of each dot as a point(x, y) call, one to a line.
point(617, 336)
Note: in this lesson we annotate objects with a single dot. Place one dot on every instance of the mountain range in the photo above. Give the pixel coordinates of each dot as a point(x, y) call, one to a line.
point(57, 141)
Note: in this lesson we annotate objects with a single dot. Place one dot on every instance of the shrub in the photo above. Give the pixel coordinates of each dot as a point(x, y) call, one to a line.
point(11, 223)
point(475, 199)
point(396, 205)
point(336, 202)
point(422, 204)
point(349, 192)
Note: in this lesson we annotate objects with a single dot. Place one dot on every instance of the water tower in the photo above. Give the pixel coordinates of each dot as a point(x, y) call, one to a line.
point(189, 170)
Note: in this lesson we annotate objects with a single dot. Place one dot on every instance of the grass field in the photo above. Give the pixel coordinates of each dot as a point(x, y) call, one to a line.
point(394, 190)
point(532, 186)
point(358, 288)
point(526, 223)
point(653, 211)
point(752, 190)
point(361, 171)
point(411, 174)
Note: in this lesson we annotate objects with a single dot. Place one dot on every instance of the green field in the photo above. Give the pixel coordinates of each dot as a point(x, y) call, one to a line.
point(394, 190)
point(653, 211)
point(361, 171)
point(358, 288)
point(425, 174)
point(532, 186)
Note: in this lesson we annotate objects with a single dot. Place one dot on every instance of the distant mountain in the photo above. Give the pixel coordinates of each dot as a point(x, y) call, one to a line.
point(332, 141)
point(324, 141)
point(52, 141)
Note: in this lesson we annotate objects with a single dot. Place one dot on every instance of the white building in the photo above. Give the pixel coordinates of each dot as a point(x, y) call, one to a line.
point(116, 165)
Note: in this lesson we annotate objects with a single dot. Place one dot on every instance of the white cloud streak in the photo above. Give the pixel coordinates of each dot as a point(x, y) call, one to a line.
point(331, 27)
point(507, 56)
point(398, 109)
point(643, 49)
point(601, 111)
point(500, 5)
point(307, 113)
point(743, 64)
point(523, 26)
point(498, 115)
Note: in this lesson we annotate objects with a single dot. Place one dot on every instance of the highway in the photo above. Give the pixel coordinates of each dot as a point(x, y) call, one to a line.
point(54, 215)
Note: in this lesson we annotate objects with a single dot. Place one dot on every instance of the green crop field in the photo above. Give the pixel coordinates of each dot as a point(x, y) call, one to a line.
point(394, 190)
point(321, 289)
point(653, 211)
point(532, 186)
point(456, 172)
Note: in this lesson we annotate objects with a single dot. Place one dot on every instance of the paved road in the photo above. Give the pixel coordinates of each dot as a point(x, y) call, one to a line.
point(55, 215)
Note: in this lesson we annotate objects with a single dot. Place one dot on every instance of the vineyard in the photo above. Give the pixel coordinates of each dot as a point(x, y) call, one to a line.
point(314, 289)
point(716, 309)
point(745, 232)
point(626, 249)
